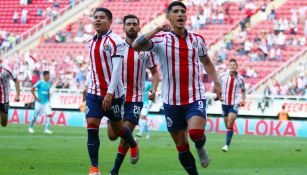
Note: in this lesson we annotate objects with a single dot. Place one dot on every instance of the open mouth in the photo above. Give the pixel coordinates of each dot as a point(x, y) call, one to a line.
point(180, 20)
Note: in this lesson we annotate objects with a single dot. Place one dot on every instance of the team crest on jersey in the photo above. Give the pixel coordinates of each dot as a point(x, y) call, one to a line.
point(194, 44)
point(106, 47)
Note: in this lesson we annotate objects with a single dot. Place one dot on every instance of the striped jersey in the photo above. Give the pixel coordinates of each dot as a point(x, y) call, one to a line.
point(180, 66)
point(5, 75)
point(101, 51)
point(232, 87)
point(134, 71)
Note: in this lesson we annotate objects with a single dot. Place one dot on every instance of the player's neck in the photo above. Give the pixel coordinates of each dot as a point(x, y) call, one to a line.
point(233, 73)
point(180, 32)
point(101, 33)
point(129, 40)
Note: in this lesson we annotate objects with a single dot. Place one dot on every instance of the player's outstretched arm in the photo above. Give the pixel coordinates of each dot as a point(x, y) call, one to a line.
point(210, 69)
point(143, 42)
point(17, 87)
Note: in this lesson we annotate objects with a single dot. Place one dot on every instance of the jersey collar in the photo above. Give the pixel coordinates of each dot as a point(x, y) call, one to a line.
point(185, 33)
point(95, 38)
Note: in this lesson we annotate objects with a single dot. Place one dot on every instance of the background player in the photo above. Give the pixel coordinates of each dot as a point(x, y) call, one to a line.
point(5, 75)
point(143, 117)
point(232, 88)
point(42, 102)
point(105, 93)
point(180, 55)
point(134, 71)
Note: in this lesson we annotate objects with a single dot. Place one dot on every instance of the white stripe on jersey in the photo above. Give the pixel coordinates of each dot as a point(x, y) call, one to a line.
point(231, 88)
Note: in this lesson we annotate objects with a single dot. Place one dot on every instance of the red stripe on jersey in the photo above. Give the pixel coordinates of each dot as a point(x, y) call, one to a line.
point(184, 71)
point(167, 69)
point(137, 81)
point(114, 46)
point(98, 63)
point(123, 69)
point(173, 70)
point(4, 91)
point(193, 70)
point(94, 75)
point(230, 89)
point(130, 74)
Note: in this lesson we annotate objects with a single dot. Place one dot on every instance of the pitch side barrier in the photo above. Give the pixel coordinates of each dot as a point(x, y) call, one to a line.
point(255, 107)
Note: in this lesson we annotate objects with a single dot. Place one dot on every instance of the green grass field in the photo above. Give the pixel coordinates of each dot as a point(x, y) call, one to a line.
point(65, 153)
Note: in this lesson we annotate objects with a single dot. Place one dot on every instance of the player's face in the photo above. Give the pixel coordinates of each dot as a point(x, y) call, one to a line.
point(177, 17)
point(131, 27)
point(233, 67)
point(47, 77)
point(101, 22)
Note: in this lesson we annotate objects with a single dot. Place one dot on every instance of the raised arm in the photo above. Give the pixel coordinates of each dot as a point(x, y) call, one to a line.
point(143, 42)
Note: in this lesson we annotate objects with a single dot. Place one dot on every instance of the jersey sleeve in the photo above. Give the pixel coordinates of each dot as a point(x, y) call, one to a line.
point(202, 46)
point(117, 47)
point(151, 62)
point(157, 42)
point(242, 85)
point(10, 73)
point(37, 84)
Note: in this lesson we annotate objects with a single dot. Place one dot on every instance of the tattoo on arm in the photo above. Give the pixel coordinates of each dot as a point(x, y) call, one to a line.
point(141, 41)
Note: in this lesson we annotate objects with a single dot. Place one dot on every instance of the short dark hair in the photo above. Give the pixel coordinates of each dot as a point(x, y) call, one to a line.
point(45, 73)
point(130, 16)
point(175, 3)
point(105, 10)
point(233, 60)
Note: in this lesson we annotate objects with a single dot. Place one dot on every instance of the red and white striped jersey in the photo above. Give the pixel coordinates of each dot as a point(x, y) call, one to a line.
point(232, 87)
point(5, 75)
point(101, 51)
point(134, 71)
point(180, 66)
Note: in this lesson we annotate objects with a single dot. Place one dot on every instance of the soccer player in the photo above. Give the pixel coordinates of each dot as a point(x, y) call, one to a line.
point(180, 54)
point(105, 94)
point(133, 74)
point(5, 75)
point(232, 88)
point(42, 102)
point(143, 117)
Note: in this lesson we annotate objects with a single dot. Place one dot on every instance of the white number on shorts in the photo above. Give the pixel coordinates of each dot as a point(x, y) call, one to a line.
point(137, 110)
point(200, 105)
point(115, 109)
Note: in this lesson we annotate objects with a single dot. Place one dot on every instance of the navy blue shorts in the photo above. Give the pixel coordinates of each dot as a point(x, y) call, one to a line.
point(132, 111)
point(94, 108)
point(229, 108)
point(178, 115)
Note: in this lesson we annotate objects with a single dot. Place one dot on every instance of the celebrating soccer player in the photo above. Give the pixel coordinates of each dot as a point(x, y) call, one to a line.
point(42, 102)
point(105, 94)
point(5, 75)
point(134, 71)
point(180, 54)
point(232, 88)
